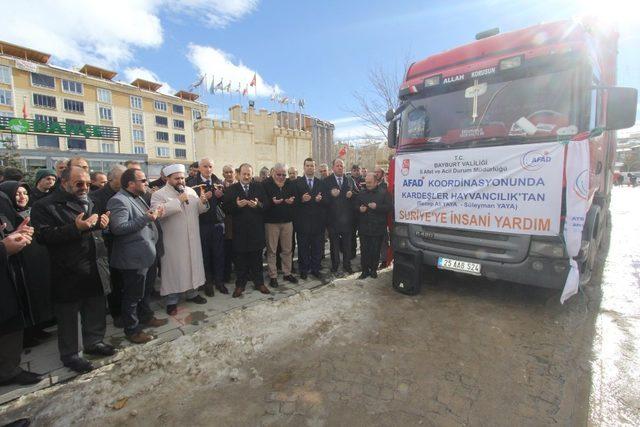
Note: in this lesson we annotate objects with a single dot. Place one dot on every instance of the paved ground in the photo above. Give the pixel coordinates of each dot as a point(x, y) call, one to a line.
point(465, 352)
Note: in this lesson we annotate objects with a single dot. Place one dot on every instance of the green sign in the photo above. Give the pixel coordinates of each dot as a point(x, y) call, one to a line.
point(17, 125)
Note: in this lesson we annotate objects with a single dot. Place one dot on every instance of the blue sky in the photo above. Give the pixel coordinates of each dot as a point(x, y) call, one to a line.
point(319, 51)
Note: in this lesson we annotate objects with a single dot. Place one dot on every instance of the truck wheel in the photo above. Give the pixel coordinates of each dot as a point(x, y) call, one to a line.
point(406, 275)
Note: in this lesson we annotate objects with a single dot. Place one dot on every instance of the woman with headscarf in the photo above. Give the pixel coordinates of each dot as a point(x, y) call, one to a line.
point(34, 261)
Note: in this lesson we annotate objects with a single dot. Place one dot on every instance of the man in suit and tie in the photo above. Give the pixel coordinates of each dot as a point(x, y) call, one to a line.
point(246, 202)
point(340, 190)
point(309, 220)
point(134, 253)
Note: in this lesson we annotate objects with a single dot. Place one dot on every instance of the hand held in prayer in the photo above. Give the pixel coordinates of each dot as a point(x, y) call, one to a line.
point(219, 193)
point(363, 208)
point(290, 200)
point(372, 205)
point(104, 220)
point(241, 202)
point(318, 197)
point(252, 203)
point(349, 194)
point(208, 195)
point(160, 211)
point(153, 215)
point(85, 224)
point(24, 227)
point(306, 197)
point(277, 201)
point(335, 192)
point(15, 242)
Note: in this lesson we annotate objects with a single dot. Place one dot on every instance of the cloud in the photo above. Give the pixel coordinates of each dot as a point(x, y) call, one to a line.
point(132, 73)
point(218, 64)
point(106, 33)
point(353, 129)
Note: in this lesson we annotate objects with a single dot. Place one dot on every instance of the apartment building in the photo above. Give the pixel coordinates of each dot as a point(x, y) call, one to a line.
point(321, 133)
point(52, 112)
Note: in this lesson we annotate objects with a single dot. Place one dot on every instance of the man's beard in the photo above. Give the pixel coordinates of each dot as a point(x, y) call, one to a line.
point(179, 188)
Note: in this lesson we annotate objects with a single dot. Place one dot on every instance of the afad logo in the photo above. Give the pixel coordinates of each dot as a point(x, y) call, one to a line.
point(534, 160)
point(581, 186)
point(406, 166)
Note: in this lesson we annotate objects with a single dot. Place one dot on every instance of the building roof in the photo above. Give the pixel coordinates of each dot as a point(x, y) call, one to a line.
point(92, 70)
point(146, 84)
point(189, 96)
point(23, 53)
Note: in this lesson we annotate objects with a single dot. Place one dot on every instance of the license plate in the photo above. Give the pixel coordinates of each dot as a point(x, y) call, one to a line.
point(459, 266)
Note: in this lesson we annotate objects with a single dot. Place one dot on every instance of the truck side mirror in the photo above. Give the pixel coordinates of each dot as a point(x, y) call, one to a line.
point(390, 115)
point(622, 103)
point(392, 134)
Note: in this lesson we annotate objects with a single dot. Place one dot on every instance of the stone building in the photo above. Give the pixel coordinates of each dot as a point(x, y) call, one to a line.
point(321, 133)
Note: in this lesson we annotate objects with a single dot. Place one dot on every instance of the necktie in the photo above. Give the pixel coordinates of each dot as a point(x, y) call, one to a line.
point(246, 189)
point(340, 182)
point(310, 181)
point(207, 183)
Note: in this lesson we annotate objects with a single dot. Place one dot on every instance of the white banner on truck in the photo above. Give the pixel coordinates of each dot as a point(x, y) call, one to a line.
point(514, 189)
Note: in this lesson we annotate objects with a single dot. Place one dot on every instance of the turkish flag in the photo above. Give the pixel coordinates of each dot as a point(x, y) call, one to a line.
point(342, 152)
point(253, 81)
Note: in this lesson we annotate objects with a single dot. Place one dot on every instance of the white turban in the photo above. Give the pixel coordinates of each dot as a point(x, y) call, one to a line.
point(168, 170)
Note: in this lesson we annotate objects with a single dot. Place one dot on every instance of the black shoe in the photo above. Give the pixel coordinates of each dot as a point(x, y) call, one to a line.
point(364, 275)
point(316, 274)
point(208, 290)
point(383, 264)
point(374, 274)
point(24, 378)
point(100, 349)
point(289, 278)
point(78, 364)
point(273, 283)
point(198, 299)
point(222, 288)
point(172, 309)
point(22, 422)
point(303, 276)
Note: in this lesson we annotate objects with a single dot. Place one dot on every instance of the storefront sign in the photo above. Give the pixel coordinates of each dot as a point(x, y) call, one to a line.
point(17, 125)
point(513, 189)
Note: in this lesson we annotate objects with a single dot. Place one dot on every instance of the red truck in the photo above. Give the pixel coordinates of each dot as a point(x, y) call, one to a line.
point(549, 82)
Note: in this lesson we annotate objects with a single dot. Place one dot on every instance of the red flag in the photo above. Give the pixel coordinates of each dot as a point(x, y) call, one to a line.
point(253, 80)
point(245, 91)
point(342, 152)
point(24, 111)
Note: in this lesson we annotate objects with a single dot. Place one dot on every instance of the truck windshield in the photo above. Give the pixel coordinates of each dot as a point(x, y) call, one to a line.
point(529, 107)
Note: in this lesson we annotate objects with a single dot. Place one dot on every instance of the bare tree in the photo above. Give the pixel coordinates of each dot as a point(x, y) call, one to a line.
point(382, 95)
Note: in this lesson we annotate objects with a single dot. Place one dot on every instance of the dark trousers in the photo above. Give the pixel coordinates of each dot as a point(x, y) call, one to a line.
point(212, 241)
point(228, 259)
point(340, 242)
point(249, 264)
point(136, 292)
point(310, 251)
point(10, 351)
point(92, 317)
point(370, 252)
point(354, 241)
point(114, 299)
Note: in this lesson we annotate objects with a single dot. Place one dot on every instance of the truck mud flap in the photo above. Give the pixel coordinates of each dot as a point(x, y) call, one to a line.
point(406, 273)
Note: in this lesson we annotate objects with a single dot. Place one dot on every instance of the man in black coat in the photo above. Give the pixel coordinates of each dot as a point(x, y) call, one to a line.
point(340, 192)
point(211, 226)
point(100, 199)
point(309, 220)
point(15, 311)
point(372, 206)
point(44, 185)
point(246, 202)
point(67, 224)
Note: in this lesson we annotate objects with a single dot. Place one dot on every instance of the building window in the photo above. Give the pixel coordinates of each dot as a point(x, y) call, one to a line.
point(162, 136)
point(160, 105)
point(43, 80)
point(76, 143)
point(178, 124)
point(161, 121)
point(5, 97)
point(105, 113)
point(178, 109)
point(162, 151)
point(5, 75)
point(73, 106)
point(107, 147)
point(136, 118)
point(138, 149)
point(6, 114)
point(48, 141)
point(196, 114)
point(138, 135)
point(136, 102)
point(70, 86)
point(104, 95)
point(181, 153)
point(47, 119)
point(178, 138)
point(44, 101)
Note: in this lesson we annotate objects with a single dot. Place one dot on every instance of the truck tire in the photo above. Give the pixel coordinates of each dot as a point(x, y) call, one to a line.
point(406, 274)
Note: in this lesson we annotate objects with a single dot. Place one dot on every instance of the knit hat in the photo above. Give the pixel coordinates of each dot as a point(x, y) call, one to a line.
point(43, 173)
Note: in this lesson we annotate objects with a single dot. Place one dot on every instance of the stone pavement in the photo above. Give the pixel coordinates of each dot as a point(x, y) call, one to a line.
point(44, 358)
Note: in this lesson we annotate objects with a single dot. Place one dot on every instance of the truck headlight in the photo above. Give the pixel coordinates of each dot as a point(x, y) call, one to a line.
point(547, 249)
point(401, 230)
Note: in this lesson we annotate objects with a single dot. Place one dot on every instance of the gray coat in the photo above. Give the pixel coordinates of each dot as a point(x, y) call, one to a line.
point(134, 234)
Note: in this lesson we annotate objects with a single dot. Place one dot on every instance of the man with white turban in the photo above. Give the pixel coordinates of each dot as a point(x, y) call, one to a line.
point(182, 267)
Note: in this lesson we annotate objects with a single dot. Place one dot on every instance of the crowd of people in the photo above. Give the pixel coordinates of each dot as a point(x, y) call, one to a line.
point(80, 246)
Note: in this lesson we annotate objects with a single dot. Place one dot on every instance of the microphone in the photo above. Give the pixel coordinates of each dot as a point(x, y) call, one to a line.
point(180, 190)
